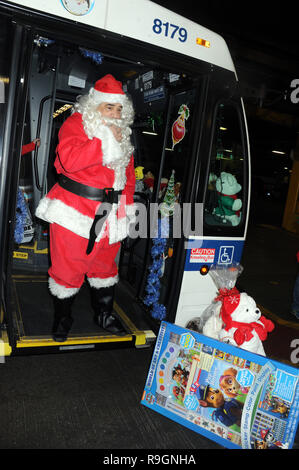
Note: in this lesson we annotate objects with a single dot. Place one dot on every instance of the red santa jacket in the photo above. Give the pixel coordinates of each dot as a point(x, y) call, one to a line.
point(81, 159)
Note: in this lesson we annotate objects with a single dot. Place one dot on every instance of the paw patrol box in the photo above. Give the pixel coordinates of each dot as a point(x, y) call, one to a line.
point(234, 397)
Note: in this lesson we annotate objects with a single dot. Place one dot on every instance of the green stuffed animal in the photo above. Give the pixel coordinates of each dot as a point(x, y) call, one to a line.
point(228, 207)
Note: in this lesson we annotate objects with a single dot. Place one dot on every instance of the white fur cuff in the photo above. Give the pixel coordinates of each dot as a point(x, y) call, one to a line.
point(98, 282)
point(60, 291)
point(100, 97)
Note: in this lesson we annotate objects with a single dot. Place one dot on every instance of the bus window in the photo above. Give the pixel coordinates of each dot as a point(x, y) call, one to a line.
point(226, 176)
point(150, 140)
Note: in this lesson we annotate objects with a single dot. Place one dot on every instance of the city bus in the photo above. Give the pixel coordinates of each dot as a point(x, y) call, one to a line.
point(189, 133)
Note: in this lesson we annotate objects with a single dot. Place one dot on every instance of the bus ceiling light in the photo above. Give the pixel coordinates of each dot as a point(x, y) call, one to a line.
point(204, 270)
point(223, 128)
point(278, 152)
point(150, 133)
point(203, 42)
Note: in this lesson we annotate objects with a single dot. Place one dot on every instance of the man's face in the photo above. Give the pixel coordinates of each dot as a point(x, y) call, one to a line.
point(110, 110)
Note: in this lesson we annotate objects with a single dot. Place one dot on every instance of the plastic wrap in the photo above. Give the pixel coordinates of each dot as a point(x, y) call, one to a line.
point(210, 322)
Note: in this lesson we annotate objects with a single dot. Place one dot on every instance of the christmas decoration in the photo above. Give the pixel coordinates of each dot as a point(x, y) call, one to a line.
point(156, 270)
point(167, 206)
point(158, 311)
point(178, 128)
point(149, 180)
point(233, 317)
point(243, 324)
point(228, 203)
point(210, 322)
point(24, 227)
point(139, 172)
point(96, 57)
point(139, 184)
point(41, 41)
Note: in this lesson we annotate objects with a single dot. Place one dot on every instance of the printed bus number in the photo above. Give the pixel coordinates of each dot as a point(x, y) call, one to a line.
point(169, 30)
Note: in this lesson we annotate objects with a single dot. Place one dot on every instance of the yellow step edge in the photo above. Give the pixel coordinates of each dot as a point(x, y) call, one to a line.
point(139, 335)
point(29, 342)
point(44, 251)
point(5, 348)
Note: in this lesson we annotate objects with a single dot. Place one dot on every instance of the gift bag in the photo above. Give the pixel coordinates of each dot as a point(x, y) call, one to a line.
point(210, 321)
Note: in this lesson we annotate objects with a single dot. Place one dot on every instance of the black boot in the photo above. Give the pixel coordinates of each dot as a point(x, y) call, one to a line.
point(62, 318)
point(102, 304)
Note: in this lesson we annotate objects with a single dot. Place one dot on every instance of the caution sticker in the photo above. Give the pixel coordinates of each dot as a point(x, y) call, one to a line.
point(202, 255)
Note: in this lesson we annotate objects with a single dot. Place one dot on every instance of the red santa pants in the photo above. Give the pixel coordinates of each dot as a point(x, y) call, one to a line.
point(70, 263)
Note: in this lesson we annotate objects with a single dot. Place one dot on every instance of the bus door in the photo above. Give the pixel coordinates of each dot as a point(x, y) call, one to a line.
point(166, 141)
point(47, 73)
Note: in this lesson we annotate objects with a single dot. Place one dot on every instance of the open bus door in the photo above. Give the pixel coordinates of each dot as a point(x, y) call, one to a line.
point(47, 67)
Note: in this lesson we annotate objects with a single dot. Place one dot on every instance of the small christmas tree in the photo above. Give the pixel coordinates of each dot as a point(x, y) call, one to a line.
point(167, 206)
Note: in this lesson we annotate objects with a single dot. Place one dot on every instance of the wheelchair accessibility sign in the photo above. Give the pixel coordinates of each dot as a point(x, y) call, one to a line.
point(226, 255)
point(211, 251)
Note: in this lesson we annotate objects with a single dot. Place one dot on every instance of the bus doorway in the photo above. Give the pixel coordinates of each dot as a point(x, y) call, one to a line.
point(58, 73)
point(189, 128)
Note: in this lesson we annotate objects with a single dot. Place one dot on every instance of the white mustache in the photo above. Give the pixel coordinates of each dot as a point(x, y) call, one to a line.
point(117, 122)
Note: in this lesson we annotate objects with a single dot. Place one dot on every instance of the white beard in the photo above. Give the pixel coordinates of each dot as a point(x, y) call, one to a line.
point(112, 151)
point(116, 155)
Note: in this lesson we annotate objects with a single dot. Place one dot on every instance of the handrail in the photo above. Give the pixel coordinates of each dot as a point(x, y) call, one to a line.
point(40, 115)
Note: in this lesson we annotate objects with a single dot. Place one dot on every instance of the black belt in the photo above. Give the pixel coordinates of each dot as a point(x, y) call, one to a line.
point(94, 194)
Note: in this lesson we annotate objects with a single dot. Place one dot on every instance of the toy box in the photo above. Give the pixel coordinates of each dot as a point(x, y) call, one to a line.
point(234, 397)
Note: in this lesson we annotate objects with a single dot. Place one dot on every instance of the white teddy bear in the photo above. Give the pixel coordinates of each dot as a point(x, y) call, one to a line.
point(244, 326)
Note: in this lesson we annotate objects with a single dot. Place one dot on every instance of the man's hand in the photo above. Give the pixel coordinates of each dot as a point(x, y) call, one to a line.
point(37, 142)
point(116, 131)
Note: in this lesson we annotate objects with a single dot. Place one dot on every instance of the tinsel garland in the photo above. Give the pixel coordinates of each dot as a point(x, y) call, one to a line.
point(40, 41)
point(21, 215)
point(93, 55)
point(158, 311)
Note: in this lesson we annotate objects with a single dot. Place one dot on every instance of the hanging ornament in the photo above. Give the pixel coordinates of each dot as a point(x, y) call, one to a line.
point(178, 128)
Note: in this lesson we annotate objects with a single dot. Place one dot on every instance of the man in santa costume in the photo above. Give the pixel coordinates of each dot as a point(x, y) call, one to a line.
point(91, 206)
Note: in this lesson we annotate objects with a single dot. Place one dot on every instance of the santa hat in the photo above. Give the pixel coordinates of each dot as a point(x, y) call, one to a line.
point(108, 90)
